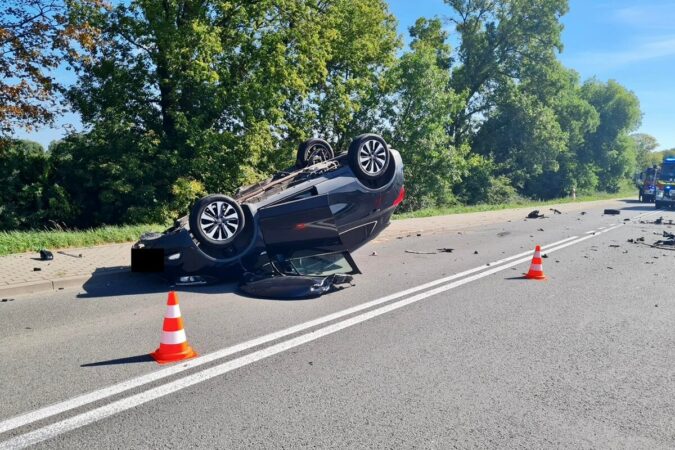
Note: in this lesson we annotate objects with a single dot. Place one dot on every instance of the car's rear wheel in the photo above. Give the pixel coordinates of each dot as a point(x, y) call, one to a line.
point(369, 157)
point(314, 151)
point(216, 220)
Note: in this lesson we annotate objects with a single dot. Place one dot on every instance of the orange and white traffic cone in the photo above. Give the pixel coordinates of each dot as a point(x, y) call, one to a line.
point(536, 271)
point(173, 345)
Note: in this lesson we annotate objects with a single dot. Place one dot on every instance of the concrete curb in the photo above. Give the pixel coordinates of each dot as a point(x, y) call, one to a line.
point(56, 284)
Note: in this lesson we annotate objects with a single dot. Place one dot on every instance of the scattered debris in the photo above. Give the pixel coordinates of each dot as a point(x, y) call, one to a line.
point(640, 239)
point(60, 252)
point(583, 213)
point(420, 253)
point(36, 269)
point(555, 211)
point(631, 241)
point(659, 221)
point(626, 220)
point(373, 254)
point(503, 233)
point(476, 252)
point(545, 256)
point(610, 268)
point(295, 287)
point(614, 246)
point(46, 255)
point(446, 250)
point(540, 229)
point(612, 212)
point(419, 234)
point(535, 215)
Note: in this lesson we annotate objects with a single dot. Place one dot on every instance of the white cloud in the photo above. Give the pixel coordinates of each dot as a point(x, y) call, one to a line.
point(646, 50)
point(659, 15)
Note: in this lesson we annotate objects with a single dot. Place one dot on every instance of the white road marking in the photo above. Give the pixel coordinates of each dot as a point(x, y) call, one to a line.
point(133, 401)
point(76, 402)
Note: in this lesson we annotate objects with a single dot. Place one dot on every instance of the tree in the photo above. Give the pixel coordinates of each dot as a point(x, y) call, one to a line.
point(419, 113)
point(23, 172)
point(609, 148)
point(498, 39)
point(222, 92)
point(645, 144)
point(36, 37)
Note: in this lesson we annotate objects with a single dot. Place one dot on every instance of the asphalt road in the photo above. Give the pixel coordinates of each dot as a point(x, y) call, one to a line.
point(426, 350)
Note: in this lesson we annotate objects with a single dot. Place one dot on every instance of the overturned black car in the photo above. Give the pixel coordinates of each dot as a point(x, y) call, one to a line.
point(302, 222)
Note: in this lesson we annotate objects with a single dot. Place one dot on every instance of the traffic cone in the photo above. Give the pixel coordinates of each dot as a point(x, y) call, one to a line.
point(536, 271)
point(173, 345)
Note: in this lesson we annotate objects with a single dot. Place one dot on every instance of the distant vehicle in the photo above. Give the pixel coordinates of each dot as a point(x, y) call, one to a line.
point(665, 184)
point(304, 221)
point(646, 184)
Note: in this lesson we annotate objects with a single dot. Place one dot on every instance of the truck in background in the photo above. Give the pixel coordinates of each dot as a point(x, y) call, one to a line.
point(665, 184)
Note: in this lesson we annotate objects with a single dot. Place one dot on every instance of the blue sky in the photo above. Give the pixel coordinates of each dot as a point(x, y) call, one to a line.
point(630, 41)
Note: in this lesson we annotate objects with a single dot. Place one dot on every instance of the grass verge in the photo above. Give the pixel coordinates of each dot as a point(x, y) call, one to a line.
point(462, 209)
point(26, 241)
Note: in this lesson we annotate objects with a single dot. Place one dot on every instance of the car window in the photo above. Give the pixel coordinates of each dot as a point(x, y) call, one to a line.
point(318, 265)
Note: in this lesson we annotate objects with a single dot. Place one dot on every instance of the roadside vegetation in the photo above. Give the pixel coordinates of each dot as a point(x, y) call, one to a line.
point(33, 241)
point(625, 192)
point(183, 98)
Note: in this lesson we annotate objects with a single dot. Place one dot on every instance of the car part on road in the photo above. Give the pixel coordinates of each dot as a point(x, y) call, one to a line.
point(555, 211)
point(46, 255)
point(612, 212)
point(293, 288)
point(535, 215)
point(60, 252)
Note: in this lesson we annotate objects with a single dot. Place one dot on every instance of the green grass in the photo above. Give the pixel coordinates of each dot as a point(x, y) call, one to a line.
point(27, 241)
point(462, 209)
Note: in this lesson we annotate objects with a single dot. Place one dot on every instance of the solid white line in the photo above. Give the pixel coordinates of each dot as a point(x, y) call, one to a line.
point(76, 402)
point(133, 401)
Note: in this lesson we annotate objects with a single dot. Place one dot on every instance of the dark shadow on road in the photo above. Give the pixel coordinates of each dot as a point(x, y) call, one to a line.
point(103, 284)
point(127, 360)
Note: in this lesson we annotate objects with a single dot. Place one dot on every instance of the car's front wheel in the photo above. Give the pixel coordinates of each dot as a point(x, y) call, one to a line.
point(216, 220)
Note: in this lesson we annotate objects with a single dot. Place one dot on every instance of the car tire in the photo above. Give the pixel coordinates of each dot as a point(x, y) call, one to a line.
point(314, 151)
point(369, 157)
point(216, 220)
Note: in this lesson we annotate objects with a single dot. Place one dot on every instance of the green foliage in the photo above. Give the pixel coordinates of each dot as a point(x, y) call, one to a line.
point(644, 148)
point(23, 168)
point(184, 97)
point(418, 117)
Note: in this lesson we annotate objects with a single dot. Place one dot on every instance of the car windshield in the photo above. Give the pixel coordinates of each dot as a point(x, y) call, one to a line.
point(667, 173)
point(319, 265)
